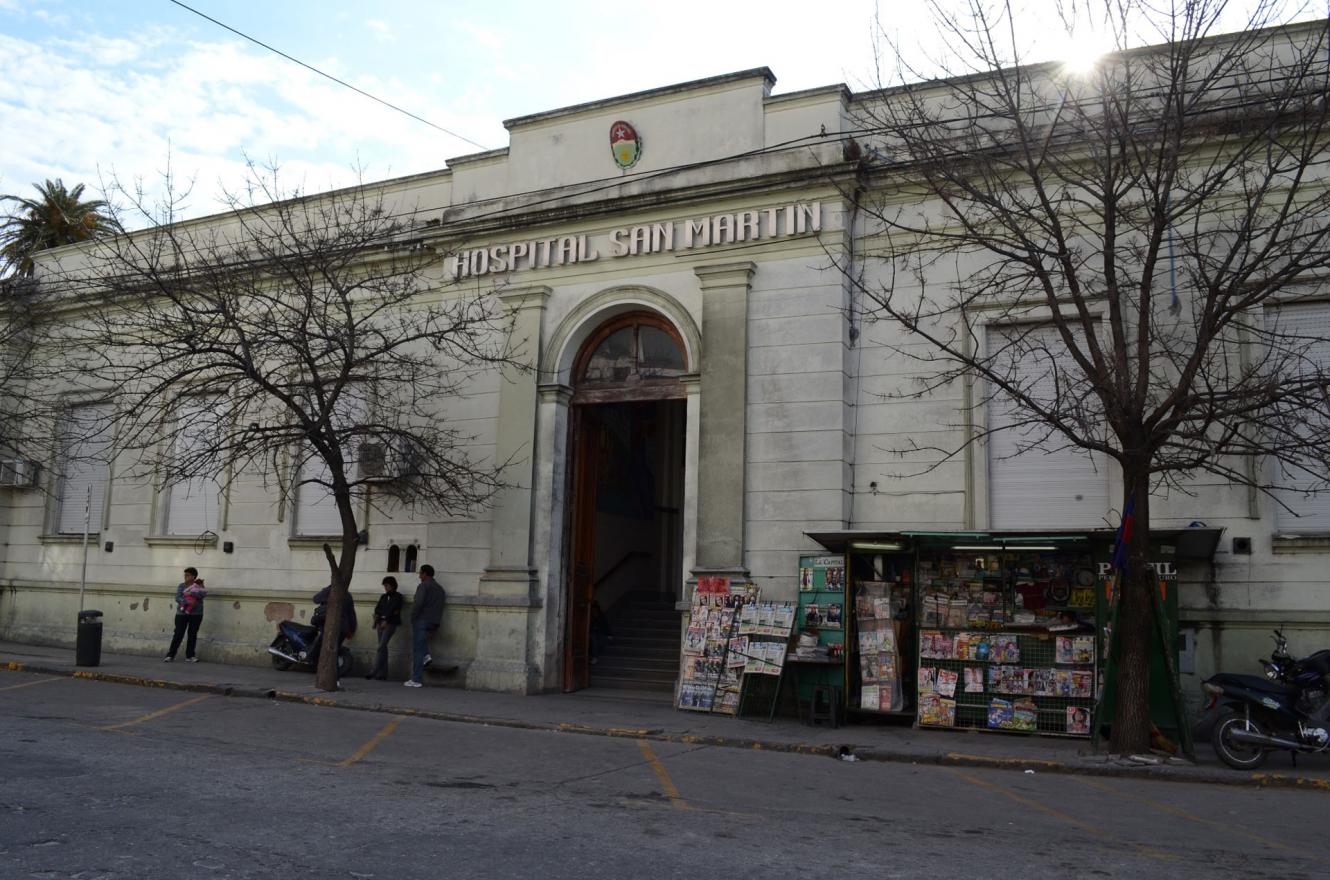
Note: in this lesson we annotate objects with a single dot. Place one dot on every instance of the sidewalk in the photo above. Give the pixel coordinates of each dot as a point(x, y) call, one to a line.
point(633, 714)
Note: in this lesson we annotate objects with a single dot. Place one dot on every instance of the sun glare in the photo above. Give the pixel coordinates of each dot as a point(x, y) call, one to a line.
point(1082, 51)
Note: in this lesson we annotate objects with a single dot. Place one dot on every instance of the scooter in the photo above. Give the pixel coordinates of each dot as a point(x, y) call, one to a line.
point(1288, 708)
point(300, 644)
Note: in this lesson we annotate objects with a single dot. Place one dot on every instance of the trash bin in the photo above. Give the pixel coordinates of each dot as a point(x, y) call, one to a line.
point(88, 646)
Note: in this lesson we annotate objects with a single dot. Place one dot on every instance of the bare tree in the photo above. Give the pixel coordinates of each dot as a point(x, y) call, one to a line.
point(25, 422)
point(309, 341)
point(1105, 258)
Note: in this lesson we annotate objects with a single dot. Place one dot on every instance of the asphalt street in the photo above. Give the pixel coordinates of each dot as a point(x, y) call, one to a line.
point(105, 780)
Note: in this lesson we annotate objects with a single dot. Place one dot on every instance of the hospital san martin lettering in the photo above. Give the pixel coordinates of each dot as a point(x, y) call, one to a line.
point(782, 221)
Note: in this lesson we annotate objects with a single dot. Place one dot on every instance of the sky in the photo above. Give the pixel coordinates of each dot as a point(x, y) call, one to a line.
point(96, 92)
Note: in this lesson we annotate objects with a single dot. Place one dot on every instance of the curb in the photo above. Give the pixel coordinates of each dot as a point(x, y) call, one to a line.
point(943, 759)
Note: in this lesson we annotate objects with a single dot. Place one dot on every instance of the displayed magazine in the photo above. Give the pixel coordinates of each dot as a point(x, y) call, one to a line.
point(1024, 715)
point(1042, 682)
point(1005, 649)
point(1074, 649)
point(946, 682)
point(738, 654)
point(882, 609)
point(748, 620)
point(1078, 720)
point(1082, 683)
point(936, 711)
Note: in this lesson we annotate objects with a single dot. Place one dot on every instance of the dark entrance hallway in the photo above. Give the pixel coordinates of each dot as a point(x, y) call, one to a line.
point(627, 495)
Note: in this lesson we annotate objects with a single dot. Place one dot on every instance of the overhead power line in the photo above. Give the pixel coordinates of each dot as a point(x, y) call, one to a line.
point(340, 82)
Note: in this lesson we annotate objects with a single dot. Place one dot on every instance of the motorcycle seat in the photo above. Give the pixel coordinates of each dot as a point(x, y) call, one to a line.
point(1318, 663)
point(1255, 683)
point(303, 630)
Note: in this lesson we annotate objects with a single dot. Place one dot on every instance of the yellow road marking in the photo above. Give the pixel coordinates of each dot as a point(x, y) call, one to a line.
point(663, 776)
point(373, 741)
point(158, 714)
point(1183, 814)
point(28, 684)
point(1095, 831)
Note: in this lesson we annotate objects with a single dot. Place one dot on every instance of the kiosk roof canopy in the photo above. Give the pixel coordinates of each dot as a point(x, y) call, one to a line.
point(1186, 544)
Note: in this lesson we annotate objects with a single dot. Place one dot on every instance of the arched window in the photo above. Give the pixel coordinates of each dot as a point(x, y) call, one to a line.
point(634, 356)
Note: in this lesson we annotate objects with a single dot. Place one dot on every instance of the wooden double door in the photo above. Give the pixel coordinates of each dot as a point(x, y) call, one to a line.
point(626, 522)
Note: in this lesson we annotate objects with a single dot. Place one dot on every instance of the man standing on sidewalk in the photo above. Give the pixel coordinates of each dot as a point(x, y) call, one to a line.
point(426, 615)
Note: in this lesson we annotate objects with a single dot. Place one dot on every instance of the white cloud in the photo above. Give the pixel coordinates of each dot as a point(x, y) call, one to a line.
point(480, 35)
point(123, 107)
point(382, 31)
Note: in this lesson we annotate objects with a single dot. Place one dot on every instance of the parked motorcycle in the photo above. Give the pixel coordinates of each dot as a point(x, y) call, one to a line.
point(1288, 708)
point(300, 644)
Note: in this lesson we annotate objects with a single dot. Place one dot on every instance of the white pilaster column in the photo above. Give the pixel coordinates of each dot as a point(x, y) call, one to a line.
point(509, 592)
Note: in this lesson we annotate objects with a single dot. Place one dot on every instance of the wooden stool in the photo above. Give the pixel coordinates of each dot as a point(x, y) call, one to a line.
point(825, 705)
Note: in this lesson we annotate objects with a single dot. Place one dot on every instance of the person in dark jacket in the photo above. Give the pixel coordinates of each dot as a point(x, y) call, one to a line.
point(349, 622)
point(426, 615)
point(387, 618)
point(188, 615)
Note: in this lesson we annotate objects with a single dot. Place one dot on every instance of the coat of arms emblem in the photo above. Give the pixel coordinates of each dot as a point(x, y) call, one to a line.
point(624, 144)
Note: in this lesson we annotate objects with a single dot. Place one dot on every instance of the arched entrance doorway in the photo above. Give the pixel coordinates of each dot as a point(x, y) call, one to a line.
point(627, 432)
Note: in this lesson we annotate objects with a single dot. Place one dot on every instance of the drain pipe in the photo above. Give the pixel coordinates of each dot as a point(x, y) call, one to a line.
point(87, 527)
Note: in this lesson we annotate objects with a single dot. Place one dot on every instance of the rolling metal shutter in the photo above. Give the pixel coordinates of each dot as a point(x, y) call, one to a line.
point(85, 461)
point(1066, 488)
point(316, 511)
point(1310, 512)
point(191, 505)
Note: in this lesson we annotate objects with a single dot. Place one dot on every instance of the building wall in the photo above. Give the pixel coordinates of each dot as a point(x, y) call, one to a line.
point(832, 438)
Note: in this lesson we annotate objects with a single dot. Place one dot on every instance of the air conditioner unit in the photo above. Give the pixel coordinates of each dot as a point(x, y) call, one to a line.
point(19, 473)
point(386, 462)
point(372, 463)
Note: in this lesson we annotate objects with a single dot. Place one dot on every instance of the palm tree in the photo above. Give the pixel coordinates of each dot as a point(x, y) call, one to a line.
point(58, 216)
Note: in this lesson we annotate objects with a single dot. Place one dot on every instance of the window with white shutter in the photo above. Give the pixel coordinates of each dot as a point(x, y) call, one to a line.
point(315, 508)
point(1303, 510)
point(85, 464)
point(192, 505)
point(1031, 488)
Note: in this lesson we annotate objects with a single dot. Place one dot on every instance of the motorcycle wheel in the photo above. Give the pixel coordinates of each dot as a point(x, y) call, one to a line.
point(345, 663)
point(1239, 756)
point(281, 664)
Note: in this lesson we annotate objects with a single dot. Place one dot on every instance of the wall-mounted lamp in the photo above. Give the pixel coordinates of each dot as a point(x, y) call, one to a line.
point(880, 547)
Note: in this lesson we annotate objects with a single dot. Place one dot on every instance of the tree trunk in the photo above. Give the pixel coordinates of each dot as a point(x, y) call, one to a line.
point(340, 571)
point(1131, 716)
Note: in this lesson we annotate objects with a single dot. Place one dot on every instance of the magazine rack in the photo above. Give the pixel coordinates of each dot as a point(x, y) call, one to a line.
point(1006, 642)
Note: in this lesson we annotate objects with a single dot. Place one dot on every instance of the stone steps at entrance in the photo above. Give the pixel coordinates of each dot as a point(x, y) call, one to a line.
point(644, 654)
